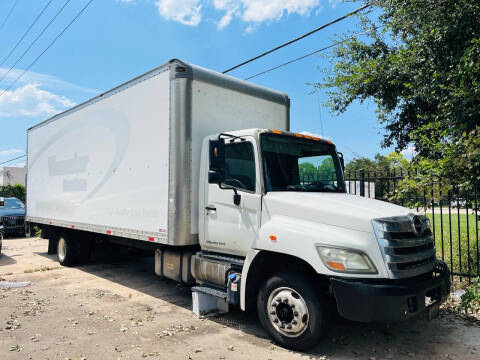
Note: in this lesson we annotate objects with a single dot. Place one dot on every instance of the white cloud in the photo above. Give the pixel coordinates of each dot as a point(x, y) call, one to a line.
point(334, 3)
point(47, 81)
point(10, 152)
point(409, 152)
point(186, 12)
point(30, 100)
point(253, 12)
point(258, 11)
point(268, 10)
point(251, 28)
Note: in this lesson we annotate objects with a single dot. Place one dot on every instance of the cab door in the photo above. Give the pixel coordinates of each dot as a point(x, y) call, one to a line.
point(232, 228)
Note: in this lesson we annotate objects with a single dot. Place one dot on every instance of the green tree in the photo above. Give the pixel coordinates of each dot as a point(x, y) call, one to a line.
point(353, 167)
point(307, 170)
point(380, 166)
point(420, 64)
point(17, 191)
point(326, 170)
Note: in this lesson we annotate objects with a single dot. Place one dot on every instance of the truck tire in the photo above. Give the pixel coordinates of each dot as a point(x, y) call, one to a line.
point(52, 246)
point(294, 315)
point(66, 250)
point(28, 230)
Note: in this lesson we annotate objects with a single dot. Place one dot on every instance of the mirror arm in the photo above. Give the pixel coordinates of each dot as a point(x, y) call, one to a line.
point(236, 196)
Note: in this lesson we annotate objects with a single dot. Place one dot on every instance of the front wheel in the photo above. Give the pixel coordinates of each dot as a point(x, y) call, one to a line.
point(292, 312)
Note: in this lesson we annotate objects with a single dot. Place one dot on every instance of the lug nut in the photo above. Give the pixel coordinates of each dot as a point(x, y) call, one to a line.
point(295, 313)
point(285, 301)
point(294, 322)
point(273, 312)
point(275, 320)
point(282, 326)
point(289, 326)
point(274, 304)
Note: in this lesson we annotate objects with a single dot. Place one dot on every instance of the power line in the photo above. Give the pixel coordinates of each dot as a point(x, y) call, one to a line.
point(13, 159)
point(310, 54)
point(25, 34)
point(34, 41)
point(48, 47)
point(8, 15)
point(298, 38)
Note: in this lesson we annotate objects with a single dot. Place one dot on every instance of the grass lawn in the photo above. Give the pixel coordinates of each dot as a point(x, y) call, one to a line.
point(456, 240)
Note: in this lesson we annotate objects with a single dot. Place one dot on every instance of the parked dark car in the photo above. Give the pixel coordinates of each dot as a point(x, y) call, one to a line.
point(12, 216)
point(1, 238)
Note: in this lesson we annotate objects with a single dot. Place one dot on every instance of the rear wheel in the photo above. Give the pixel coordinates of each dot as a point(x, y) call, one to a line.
point(66, 250)
point(292, 312)
point(52, 246)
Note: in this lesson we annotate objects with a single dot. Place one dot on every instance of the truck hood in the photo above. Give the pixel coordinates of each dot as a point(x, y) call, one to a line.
point(336, 209)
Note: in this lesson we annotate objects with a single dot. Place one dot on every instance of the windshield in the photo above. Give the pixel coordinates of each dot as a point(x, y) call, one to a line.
point(299, 164)
point(12, 203)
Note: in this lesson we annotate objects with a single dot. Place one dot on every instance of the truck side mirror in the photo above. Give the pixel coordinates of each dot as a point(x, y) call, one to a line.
point(342, 161)
point(216, 173)
point(2, 202)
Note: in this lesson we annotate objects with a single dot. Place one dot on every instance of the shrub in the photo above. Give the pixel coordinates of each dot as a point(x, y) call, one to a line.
point(470, 302)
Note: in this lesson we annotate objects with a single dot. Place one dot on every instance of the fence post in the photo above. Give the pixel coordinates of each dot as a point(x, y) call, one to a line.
point(362, 182)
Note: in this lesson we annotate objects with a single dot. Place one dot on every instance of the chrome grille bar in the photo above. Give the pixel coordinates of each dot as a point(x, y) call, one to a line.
point(407, 245)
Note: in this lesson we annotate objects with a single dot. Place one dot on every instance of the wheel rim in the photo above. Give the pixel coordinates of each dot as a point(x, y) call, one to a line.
point(61, 249)
point(288, 312)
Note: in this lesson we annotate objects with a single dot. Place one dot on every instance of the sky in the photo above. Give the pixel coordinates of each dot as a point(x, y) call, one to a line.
point(116, 40)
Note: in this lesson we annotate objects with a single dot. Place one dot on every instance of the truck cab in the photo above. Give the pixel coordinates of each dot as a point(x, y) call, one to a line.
point(277, 200)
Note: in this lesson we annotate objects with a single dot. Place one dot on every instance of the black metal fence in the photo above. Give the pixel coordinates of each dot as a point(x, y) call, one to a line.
point(453, 212)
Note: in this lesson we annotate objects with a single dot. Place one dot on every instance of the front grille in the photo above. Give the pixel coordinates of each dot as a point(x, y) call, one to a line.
point(407, 253)
point(413, 249)
point(13, 222)
point(407, 235)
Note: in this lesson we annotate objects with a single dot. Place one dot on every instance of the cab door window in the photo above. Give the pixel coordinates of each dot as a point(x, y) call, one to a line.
point(240, 166)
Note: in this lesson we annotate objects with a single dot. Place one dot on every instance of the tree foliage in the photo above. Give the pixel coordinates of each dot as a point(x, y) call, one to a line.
point(17, 191)
point(380, 166)
point(420, 64)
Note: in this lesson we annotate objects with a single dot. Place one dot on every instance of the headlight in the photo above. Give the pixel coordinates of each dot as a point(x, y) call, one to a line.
point(346, 261)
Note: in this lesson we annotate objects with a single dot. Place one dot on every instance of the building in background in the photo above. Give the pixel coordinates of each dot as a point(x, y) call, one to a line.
point(11, 175)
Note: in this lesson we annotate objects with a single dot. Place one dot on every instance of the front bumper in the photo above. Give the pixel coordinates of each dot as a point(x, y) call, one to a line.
point(13, 224)
point(393, 301)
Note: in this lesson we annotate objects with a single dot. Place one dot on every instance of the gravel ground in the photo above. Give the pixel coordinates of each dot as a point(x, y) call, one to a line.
point(116, 308)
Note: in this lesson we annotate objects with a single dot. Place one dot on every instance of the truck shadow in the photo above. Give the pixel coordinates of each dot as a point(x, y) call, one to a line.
point(344, 339)
point(135, 271)
point(6, 260)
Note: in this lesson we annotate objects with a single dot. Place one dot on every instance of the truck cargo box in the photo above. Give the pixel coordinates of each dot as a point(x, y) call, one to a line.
point(126, 163)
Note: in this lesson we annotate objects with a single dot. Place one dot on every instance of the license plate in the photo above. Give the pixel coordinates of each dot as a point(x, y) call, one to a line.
point(433, 310)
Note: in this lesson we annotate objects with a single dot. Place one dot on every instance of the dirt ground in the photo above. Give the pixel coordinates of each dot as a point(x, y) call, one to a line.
point(116, 308)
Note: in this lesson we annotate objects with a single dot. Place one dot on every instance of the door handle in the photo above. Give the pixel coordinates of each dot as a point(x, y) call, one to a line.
point(211, 208)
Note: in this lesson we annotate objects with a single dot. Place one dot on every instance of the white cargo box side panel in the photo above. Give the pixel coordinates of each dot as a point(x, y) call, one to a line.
point(105, 164)
point(218, 109)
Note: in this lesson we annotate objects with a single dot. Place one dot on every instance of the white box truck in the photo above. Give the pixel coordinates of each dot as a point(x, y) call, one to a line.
point(201, 168)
